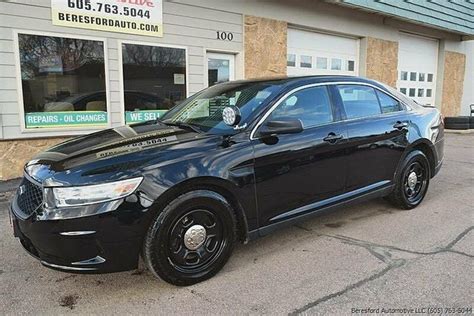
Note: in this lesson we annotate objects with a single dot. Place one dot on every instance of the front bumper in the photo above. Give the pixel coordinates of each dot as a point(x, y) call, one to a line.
point(108, 242)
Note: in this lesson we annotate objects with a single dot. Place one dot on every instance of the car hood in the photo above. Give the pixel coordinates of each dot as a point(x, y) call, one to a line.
point(123, 149)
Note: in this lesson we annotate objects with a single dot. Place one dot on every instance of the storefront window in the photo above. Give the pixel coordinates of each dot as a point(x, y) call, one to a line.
point(154, 80)
point(63, 81)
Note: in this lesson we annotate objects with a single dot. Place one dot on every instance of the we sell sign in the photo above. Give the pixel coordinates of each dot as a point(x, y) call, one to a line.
point(140, 17)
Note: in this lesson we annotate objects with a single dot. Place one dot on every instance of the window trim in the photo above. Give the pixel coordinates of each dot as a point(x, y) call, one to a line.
point(120, 69)
point(275, 105)
point(58, 131)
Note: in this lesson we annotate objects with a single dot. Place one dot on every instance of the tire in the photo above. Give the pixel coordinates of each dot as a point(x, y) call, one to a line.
point(407, 195)
point(471, 122)
point(207, 222)
point(458, 122)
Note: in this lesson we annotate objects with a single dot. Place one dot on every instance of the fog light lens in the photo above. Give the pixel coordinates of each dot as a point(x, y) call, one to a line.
point(231, 115)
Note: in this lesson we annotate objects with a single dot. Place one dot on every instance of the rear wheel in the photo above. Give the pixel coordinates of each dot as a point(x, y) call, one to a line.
point(192, 239)
point(412, 181)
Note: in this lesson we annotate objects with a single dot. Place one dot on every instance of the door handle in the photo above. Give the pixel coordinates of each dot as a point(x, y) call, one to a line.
point(400, 125)
point(333, 137)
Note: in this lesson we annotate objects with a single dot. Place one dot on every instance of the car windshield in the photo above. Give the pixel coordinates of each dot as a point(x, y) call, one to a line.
point(204, 109)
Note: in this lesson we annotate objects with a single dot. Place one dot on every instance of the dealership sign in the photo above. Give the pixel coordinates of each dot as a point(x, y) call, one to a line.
point(141, 116)
point(140, 17)
point(70, 119)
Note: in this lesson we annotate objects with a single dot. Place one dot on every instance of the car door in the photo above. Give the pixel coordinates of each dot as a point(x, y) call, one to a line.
point(296, 171)
point(377, 127)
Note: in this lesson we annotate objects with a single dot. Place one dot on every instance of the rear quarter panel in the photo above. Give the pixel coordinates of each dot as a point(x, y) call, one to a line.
point(426, 126)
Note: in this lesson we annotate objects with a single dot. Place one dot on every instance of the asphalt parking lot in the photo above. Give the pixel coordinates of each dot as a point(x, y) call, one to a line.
point(368, 256)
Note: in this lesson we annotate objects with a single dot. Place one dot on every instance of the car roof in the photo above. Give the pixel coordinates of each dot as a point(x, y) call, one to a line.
point(301, 80)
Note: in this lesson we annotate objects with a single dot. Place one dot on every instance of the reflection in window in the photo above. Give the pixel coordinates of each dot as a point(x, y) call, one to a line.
point(154, 80)
point(412, 76)
point(336, 64)
point(428, 93)
point(421, 77)
point(218, 70)
point(387, 103)
point(311, 106)
point(61, 79)
point(359, 101)
point(291, 60)
point(306, 61)
point(350, 65)
point(404, 75)
point(421, 93)
point(430, 78)
point(403, 90)
point(321, 63)
point(411, 92)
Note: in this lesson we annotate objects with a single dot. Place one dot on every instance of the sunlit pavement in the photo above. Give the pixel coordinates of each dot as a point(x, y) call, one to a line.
point(368, 256)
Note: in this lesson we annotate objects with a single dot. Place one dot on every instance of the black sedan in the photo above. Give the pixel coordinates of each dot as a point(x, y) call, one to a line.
point(231, 163)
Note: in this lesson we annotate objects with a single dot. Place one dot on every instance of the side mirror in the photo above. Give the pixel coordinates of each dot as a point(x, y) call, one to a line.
point(281, 127)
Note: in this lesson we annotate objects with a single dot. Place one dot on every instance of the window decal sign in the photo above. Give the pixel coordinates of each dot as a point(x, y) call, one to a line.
point(144, 115)
point(70, 119)
point(140, 17)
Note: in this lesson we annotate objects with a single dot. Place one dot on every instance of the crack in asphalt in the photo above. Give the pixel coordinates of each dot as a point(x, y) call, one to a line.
point(346, 289)
point(382, 253)
point(447, 248)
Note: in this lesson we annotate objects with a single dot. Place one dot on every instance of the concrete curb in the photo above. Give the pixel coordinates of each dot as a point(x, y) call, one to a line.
point(459, 131)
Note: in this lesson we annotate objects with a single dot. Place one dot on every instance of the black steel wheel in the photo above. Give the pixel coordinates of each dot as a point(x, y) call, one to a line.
point(412, 181)
point(191, 239)
point(195, 241)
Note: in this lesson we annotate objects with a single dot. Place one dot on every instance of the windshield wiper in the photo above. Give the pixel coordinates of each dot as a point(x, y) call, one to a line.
point(190, 126)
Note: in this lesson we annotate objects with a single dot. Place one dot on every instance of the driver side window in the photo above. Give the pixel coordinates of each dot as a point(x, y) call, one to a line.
point(311, 106)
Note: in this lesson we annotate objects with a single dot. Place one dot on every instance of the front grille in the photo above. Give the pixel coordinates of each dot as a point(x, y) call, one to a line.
point(29, 197)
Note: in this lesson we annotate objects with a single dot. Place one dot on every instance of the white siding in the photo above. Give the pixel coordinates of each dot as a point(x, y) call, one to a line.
point(184, 25)
point(468, 96)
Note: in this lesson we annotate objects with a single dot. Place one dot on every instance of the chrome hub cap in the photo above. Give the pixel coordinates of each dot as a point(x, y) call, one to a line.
point(412, 180)
point(195, 237)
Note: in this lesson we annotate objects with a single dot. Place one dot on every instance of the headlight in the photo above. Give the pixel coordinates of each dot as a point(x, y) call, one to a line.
point(80, 201)
point(92, 194)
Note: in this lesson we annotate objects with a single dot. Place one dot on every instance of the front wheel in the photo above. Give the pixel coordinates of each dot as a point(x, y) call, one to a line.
point(192, 239)
point(412, 181)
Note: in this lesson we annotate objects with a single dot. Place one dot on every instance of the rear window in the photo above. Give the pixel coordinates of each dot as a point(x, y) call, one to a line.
point(387, 103)
point(410, 103)
point(359, 101)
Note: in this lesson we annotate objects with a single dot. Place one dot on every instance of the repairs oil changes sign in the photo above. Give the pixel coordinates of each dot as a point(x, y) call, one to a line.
point(69, 119)
point(140, 17)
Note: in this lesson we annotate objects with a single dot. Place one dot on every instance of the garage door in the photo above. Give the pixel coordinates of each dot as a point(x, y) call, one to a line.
point(417, 64)
point(311, 53)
